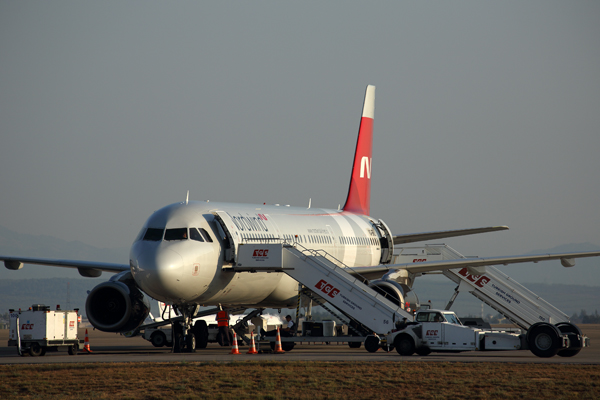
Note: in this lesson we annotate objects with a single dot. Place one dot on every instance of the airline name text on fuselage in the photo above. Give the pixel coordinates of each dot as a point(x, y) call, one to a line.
point(254, 223)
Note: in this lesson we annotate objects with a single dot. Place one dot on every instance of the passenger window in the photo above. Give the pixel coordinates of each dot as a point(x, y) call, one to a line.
point(195, 235)
point(154, 234)
point(176, 234)
point(206, 235)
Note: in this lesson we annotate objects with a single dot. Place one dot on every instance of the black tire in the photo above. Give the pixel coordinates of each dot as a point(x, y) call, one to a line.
point(178, 343)
point(423, 351)
point(201, 331)
point(575, 337)
point(190, 342)
point(178, 339)
point(405, 345)
point(288, 346)
point(372, 343)
point(35, 350)
point(44, 349)
point(543, 340)
point(354, 345)
point(73, 349)
point(158, 339)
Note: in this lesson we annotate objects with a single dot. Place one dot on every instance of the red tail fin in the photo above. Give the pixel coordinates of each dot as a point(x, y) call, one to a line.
point(359, 193)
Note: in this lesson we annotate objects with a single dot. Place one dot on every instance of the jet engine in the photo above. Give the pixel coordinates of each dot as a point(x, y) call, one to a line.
point(117, 305)
point(396, 292)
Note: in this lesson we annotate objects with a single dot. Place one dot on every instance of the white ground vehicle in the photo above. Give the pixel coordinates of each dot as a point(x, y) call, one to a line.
point(442, 331)
point(40, 329)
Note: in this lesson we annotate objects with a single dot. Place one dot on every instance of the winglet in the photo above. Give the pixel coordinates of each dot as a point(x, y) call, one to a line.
point(359, 192)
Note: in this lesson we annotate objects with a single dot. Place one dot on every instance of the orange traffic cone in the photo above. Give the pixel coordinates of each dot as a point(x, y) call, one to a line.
point(234, 349)
point(252, 346)
point(86, 343)
point(278, 348)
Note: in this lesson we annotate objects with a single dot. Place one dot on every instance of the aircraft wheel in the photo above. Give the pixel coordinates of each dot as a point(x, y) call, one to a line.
point(201, 331)
point(543, 340)
point(354, 345)
point(35, 350)
point(190, 343)
point(575, 337)
point(405, 345)
point(178, 343)
point(158, 339)
point(372, 343)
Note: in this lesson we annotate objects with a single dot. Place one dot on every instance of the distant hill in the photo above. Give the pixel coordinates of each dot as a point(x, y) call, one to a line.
point(571, 299)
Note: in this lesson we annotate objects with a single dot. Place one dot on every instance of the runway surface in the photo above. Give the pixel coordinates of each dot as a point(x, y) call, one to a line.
point(110, 347)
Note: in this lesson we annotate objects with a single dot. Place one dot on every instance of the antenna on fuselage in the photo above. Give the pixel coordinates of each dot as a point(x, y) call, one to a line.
point(309, 202)
point(187, 198)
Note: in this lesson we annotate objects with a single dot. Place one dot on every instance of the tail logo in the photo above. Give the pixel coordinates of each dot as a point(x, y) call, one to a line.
point(365, 164)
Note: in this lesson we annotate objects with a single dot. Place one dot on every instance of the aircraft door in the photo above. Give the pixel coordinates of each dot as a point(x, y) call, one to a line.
point(386, 240)
point(231, 237)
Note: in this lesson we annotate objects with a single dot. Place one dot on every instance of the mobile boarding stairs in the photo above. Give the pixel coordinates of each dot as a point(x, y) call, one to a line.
point(327, 277)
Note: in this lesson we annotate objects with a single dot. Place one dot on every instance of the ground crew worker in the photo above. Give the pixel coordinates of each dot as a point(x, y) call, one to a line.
point(223, 324)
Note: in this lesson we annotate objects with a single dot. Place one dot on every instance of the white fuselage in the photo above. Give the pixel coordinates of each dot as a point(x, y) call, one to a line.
point(190, 268)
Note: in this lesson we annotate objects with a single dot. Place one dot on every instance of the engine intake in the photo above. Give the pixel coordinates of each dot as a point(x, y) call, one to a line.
point(117, 305)
point(392, 290)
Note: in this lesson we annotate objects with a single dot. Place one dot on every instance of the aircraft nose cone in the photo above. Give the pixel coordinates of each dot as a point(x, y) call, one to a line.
point(160, 273)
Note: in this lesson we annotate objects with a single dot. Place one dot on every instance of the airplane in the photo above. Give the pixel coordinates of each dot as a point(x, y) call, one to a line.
point(186, 252)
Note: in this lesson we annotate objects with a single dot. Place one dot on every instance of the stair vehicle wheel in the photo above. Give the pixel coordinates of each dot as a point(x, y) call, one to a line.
point(405, 345)
point(543, 340)
point(288, 346)
point(372, 343)
point(190, 343)
point(73, 349)
point(423, 351)
point(354, 345)
point(35, 350)
point(575, 337)
point(158, 339)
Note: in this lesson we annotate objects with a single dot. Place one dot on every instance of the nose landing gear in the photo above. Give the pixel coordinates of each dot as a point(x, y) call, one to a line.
point(184, 336)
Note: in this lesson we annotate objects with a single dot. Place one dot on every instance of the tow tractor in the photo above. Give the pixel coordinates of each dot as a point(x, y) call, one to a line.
point(441, 331)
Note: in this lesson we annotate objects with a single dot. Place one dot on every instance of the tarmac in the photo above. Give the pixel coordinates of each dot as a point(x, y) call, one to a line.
point(112, 347)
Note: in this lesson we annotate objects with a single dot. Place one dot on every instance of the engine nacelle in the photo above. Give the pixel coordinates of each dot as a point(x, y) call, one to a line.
point(117, 305)
point(393, 290)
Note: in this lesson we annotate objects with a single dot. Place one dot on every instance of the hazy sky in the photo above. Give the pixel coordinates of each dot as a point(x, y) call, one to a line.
point(487, 113)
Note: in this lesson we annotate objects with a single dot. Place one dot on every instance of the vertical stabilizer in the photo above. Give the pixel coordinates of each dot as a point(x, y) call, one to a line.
point(359, 193)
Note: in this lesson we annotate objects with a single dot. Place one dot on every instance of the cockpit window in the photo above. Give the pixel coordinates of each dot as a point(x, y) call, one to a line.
point(206, 235)
point(176, 234)
point(154, 234)
point(195, 235)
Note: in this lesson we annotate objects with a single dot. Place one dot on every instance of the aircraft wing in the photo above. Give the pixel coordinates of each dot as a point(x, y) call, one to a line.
point(567, 260)
point(419, 237)
point(86, 268)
